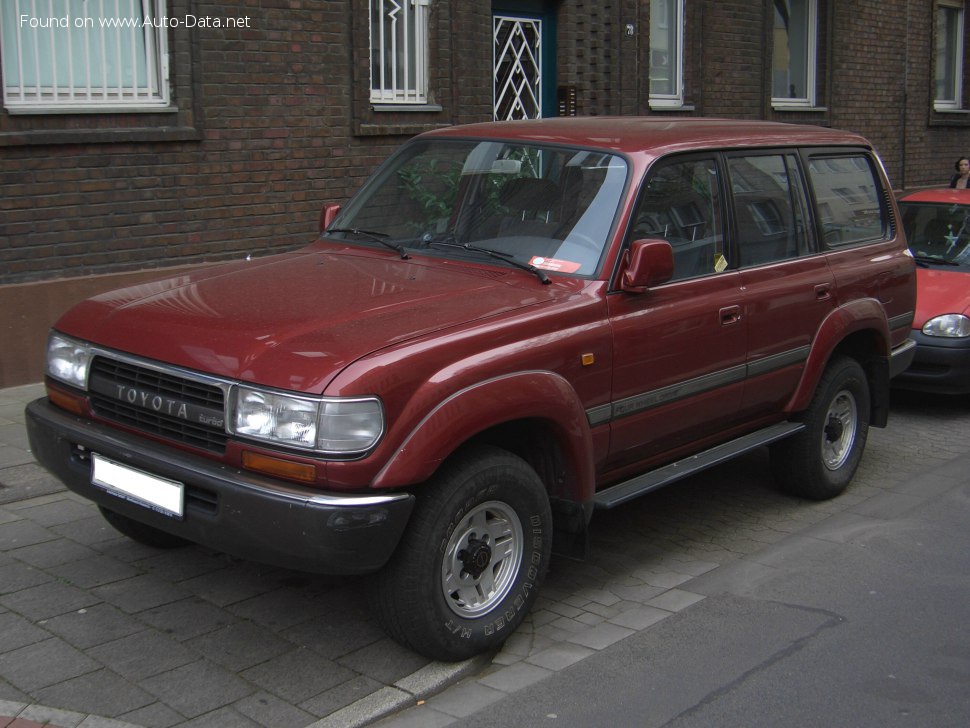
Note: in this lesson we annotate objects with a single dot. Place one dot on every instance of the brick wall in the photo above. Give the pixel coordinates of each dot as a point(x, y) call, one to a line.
point(733, 59)
point(271, 121)
point(868, 72)
point(931, 141)
point(269, 126)
point(590, 43)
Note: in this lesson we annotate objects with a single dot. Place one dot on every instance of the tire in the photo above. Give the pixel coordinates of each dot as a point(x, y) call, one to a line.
point(146, 535)
point(448, 592)
point(818, 463)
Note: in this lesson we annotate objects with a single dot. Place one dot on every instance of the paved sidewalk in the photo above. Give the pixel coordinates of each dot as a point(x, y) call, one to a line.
point(98, 625)
point(112, 633)
point(109, 633)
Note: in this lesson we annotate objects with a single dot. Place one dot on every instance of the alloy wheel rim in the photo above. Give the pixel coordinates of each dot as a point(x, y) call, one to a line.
point(839, 431)
point(482, 559)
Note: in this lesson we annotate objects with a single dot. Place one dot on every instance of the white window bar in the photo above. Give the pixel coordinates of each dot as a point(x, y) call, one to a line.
point(83, 55)
point(399, 51)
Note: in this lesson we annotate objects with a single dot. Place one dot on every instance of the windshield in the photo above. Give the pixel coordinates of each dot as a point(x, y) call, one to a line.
point(546, 207)
point(938, 234)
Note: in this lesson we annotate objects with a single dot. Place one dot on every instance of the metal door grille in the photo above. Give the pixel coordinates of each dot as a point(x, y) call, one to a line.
point(518, 68)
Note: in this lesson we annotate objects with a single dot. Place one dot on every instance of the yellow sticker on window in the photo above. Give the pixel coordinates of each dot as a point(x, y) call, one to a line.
point(720, 264)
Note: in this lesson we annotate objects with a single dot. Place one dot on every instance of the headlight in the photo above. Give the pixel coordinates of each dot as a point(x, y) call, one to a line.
point(68, 360)
point(349, 425)
point(951, 326)
point(327, 425)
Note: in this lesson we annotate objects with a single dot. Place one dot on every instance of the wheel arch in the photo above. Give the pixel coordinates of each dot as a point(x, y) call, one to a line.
point(859, 330)
point(536, 415)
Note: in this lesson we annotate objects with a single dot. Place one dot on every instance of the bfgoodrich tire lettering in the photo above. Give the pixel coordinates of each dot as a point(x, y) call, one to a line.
point(470, 564)
point(819, 462)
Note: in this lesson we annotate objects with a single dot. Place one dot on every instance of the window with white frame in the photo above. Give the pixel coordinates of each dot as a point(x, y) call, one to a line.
point(793, 59)
point(83, 55)
point(399, 51)
point(948, 62)
point(666, 53)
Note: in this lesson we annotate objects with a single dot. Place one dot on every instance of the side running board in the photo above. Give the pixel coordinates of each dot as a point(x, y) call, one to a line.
point(630, 489)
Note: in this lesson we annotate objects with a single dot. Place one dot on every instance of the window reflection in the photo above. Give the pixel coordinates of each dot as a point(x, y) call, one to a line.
point(666, 51)
point(948, 67)
point(793, 51)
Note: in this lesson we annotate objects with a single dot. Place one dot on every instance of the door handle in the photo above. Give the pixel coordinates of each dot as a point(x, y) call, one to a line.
point(730, 315)
point(823, 291)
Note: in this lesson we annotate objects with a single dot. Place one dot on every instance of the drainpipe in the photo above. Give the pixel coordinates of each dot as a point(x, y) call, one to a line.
point(904, 107)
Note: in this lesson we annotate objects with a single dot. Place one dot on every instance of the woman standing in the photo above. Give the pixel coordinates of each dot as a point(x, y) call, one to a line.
point(961, 180)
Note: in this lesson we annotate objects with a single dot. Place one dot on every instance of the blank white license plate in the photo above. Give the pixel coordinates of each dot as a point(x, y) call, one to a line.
point(159, 494)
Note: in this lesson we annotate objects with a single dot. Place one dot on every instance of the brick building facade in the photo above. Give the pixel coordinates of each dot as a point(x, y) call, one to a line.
point(271, 117)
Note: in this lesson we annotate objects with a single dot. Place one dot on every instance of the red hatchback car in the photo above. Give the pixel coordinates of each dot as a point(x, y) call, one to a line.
point(937, 224)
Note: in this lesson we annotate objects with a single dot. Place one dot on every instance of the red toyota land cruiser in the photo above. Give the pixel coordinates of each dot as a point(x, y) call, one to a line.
point(509, 326)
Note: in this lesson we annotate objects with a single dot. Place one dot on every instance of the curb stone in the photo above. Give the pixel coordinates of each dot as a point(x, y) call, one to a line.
point(22, 715)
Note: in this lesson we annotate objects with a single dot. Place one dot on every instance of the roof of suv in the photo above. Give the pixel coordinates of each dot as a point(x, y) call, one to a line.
point(638, 134)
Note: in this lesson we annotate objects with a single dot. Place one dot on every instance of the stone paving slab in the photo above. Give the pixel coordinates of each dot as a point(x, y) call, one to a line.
point(112, 633)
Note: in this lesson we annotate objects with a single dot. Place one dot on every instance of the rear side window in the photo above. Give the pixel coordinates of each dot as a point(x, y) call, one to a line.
point(849, 199)
point(770, 208)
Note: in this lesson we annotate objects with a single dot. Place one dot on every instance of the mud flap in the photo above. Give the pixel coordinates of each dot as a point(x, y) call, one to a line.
point(570, 531)
point(877, 370)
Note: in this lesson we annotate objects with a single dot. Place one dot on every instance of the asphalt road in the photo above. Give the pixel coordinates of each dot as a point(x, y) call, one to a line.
point(859, 626)
point(857, 619)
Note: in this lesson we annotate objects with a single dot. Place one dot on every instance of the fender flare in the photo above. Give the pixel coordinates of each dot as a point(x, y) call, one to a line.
point(541, 395)
point(864, 314)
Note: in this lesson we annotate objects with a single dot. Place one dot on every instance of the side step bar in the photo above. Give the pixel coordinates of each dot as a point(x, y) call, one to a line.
point(630, 489)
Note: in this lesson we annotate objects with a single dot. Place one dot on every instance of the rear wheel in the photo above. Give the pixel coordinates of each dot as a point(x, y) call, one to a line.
point(141, 533)
point(470, 564)
point(819, 462)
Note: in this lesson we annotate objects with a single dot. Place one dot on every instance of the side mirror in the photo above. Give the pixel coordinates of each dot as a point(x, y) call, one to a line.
point(328, 214)
point(648, 262)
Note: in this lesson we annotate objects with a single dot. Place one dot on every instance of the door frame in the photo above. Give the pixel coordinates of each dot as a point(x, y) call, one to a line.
point(546, 12)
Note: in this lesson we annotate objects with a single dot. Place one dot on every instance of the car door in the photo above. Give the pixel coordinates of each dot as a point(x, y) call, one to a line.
point(679, 348)
point(788, 285)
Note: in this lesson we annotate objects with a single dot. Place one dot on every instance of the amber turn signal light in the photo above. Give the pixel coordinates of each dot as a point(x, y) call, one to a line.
point(279, 468)
point(65, 401)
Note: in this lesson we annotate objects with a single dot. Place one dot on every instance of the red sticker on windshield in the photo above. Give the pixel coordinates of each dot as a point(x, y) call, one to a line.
point(553, 264)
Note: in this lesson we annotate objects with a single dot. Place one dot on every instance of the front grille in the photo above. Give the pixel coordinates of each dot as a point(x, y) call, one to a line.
point(161, 403)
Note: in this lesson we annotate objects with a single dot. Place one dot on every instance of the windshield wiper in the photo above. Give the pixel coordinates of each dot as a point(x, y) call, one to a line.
point(375, 236)
point(927, 260)
point(506, 257)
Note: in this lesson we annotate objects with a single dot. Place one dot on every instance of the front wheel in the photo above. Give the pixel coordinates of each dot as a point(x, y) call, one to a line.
point(819, 462)
point(471, 562)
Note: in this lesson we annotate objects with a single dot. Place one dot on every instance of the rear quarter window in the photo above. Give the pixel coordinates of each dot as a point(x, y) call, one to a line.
point(849, 199)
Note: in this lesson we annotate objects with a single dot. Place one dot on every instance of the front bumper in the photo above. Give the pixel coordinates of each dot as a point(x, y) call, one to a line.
point(940, 365)
point(227, 509)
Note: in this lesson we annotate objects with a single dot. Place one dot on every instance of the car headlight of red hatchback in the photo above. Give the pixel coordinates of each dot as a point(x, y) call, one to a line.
point(950, 326)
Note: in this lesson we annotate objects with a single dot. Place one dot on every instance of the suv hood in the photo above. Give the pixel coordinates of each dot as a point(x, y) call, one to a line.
point(293, 321)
